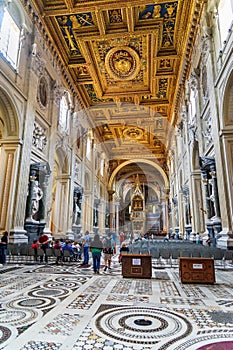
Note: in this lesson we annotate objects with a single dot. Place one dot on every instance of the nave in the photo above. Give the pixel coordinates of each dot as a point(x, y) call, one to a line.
point(68, 307)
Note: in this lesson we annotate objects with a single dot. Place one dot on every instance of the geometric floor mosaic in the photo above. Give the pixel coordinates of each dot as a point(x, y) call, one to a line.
point(71, 308)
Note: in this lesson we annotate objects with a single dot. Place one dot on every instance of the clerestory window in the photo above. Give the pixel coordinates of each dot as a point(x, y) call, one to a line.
point(225, 11)
point(9, 38)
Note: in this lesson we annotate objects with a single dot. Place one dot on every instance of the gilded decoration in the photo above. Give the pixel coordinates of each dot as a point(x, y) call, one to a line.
point(82, 71)
point(165, 12)
point(163, 84)
point(70, 23)
point(92, 95)
point(122, 63)
point(115, 16)
point(124, 59)
point(133, 133)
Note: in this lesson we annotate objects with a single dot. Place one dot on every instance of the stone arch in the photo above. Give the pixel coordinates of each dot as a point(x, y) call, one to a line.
point(10, 148)
point(227, 106)
point(60, 193)
point(145, 161)
point(62, 161)
point(9, 124)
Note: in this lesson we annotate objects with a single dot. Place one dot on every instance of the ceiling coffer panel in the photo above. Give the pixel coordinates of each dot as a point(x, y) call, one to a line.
point(127, 62)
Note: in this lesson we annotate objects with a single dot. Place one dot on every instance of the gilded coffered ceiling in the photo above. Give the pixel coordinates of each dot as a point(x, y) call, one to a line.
point(127, 61)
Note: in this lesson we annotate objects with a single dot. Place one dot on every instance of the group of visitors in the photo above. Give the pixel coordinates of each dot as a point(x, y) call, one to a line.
point(107, 246)
point(58, 245)
point(97, 247)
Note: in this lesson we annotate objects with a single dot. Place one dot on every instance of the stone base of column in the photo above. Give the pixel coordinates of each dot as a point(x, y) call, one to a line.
point(225, 240)
point(70, 235)
point(77, 231)
point(33, 229)
point(188, 232)
point(177, 235)
point(17, 236)
point(48, 233)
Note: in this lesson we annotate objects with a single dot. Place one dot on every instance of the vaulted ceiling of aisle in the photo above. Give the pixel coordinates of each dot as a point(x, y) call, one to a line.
point(128, 61)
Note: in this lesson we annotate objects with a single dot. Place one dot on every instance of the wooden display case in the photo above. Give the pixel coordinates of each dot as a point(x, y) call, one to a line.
point(197, 270)
point(136, 265)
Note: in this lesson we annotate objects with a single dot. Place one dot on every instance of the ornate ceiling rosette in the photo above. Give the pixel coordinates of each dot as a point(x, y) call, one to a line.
point(133, 133)
point(122, 63)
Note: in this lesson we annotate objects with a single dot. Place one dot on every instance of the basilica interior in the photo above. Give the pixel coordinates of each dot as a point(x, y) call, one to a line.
point(116, 116)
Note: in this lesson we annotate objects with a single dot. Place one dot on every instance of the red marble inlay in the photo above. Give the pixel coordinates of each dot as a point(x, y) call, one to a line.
point(225, 345)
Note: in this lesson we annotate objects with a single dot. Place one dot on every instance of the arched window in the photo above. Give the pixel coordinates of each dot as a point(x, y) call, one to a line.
point(10, 34)
point(225, 12)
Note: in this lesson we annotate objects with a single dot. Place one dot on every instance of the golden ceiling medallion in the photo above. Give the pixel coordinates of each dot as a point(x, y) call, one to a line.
point(122, 63)
point(133, 133)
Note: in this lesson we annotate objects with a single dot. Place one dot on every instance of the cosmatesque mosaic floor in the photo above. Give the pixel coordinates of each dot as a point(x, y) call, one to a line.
point(71, 308)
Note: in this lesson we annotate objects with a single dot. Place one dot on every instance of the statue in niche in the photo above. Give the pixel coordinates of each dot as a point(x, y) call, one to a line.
point(77, 211)
point(37, 194)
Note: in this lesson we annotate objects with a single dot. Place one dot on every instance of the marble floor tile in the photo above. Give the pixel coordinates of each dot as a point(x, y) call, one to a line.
point(71, 308)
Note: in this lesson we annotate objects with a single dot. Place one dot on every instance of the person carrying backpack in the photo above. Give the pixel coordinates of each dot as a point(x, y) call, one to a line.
point(109, 248)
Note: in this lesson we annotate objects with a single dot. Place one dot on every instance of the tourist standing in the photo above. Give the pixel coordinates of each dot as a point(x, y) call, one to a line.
point(85, 245)
point(198, 240)
point(57, 247)
point(35, 247)
point(96, 248)
point(121, 238)
point(109, 248)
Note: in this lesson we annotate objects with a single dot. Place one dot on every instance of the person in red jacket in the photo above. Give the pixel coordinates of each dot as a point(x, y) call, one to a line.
point(35, 247)
point(44, 244)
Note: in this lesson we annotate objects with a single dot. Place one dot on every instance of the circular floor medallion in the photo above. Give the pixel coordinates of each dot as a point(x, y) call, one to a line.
point(19, 318)
point(41, 303)
point(7, 334)
point(51, 292)
point(140, 325)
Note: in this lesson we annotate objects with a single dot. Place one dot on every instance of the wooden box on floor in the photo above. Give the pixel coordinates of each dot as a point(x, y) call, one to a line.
point(136, 265)
point(197, 270)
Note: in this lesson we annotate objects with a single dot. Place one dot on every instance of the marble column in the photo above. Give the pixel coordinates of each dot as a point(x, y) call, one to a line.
point(209, 223)
point(111, 210)
point(217, 217)
point(117, 204)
